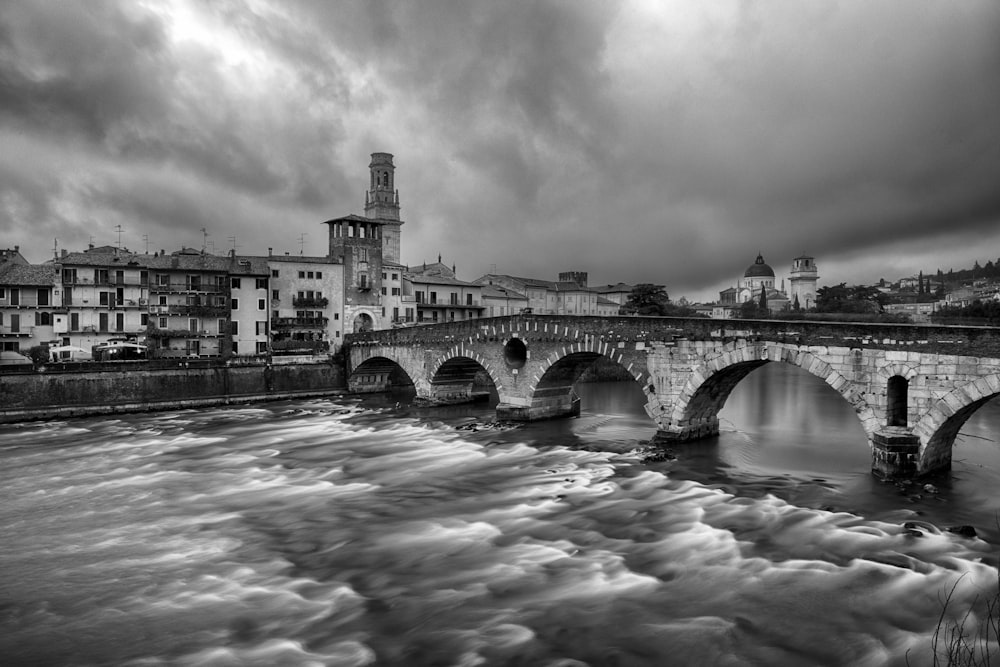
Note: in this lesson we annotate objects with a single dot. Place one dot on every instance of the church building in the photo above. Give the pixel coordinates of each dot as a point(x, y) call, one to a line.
point(759, 276)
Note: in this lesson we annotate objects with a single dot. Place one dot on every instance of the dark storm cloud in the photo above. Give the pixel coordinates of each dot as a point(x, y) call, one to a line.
point(663, 142)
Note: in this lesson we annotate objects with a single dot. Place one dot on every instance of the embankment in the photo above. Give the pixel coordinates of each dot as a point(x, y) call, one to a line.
point(52, 394)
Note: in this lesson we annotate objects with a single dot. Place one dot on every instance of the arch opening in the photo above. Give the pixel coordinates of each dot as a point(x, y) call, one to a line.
point(896, 401)
point(377, 375)
point(515, 353)
point(363, 322)
point(462, 379)
point(780, 416)
point(558, 384)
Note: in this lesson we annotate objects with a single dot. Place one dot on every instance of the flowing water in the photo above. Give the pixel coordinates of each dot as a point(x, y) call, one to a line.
point(369, 532)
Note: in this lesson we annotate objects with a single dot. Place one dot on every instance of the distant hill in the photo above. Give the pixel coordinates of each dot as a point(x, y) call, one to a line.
point(990, 270)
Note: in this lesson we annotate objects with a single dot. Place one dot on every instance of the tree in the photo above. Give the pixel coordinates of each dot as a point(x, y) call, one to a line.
point(795, 304)
point(647, 299)
point(920, 283)
point(763, 300)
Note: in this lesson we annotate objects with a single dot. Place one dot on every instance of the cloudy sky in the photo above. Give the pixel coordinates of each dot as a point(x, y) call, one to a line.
point(647, 141)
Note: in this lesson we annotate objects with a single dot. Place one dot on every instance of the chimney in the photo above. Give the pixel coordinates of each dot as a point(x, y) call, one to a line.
point(270, 252)
point(64, 252)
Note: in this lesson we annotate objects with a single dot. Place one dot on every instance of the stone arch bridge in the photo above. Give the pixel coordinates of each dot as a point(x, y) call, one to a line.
point(911, 386)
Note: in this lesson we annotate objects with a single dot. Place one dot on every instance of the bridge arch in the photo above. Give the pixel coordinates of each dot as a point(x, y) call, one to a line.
point(695, 410)
point(380, 372)
point(452, 374)
point(939, 426)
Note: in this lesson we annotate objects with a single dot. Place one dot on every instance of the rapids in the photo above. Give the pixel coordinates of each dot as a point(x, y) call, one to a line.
point(350, 532)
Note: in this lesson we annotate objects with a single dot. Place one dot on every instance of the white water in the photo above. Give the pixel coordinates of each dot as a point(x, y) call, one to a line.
point(347, 533)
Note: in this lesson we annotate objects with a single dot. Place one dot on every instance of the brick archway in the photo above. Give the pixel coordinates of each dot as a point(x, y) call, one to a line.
point(461, 351)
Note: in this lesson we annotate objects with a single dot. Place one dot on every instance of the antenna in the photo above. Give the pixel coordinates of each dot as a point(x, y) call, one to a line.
point(119, 229)
point(55, 248)
point(145, 240)
point(493, 269)
point(302, 244)
point(204, 240)
point(232, 239)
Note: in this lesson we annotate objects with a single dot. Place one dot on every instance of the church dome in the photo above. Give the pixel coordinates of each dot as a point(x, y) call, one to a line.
point(759, 269)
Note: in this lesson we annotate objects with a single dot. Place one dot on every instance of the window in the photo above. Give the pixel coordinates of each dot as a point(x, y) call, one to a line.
point(363, 280)
point(275, 295)
point(43, 297)
point(234, 328)
point(362, 254)
point(310, 274)
point(261, 347)
point(15, 297)
point(144, 319)
point(15, 322)
point(161, 279)
point(3, 293)
point(336, 316)
point(193, 325)
point(420, 296)
point(162, 323)
point(119, 321)
point(163, 300)
point(383, 275)
point(261, 328)
point(274, 273)
point(453, 299)
point(236, 347)
point(144, 277)
point(302, 274)
point(222, 326)
point(102, 322)
point(468, 299)
point(103, 298)
point(102, 276)
point(69, 276)
point(384, 291)
point(337, 334)
point(261, 304)
point(234, 304)
point(395, 276)
point(395, 291)
point(235, 283)
point(319, 275)
point(434, 297)
point(74, 322)
point(262, 283)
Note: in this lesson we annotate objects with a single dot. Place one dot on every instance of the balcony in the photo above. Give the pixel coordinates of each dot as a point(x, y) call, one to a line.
point(307, 302)
point(182, 309)
point(20, 331)
point(180, 288)
point(180, 333)
point(278, 323)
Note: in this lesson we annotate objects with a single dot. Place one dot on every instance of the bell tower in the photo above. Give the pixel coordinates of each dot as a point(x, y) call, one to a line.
point(803, 281)
point(382, 203)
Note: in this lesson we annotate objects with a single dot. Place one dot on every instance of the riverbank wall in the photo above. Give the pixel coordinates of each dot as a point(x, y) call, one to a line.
point(48, 394)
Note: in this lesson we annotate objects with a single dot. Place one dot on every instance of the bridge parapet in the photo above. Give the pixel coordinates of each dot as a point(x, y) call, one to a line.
point(958, 340)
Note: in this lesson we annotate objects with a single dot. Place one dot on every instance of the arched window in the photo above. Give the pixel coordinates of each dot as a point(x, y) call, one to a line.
point(896, 401)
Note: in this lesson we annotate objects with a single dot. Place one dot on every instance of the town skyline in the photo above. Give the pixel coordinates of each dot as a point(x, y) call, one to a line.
point(641, 143)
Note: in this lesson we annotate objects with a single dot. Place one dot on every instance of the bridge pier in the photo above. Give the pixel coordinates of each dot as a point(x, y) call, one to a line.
point(545, 404)
point(677, 434)
point(896, 454)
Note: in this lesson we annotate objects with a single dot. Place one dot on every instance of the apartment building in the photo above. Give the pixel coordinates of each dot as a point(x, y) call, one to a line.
point(306, 303)
point(27, 302)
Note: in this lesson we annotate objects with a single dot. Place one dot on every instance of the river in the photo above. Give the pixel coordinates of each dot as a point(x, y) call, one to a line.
point(370, 532)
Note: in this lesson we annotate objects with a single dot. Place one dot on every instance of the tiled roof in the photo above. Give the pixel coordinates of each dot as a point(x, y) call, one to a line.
point(33, 275)
point(436, 280)
point(495, 292)
point(617, 287)
point(185, 261)
point(301, 259)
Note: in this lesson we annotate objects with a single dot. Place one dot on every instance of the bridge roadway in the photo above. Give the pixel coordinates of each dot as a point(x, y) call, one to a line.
point(911, 386)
